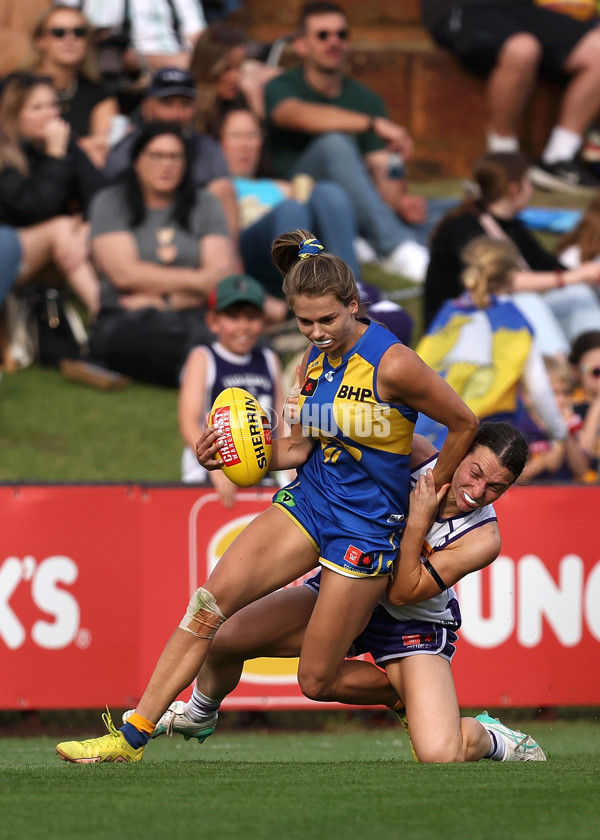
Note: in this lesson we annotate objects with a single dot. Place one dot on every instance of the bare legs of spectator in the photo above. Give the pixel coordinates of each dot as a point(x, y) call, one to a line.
point(63, 241)
point(511, 84)
point(581, 100)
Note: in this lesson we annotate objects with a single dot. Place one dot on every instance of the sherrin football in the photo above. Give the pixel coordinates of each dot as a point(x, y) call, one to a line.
point(246, 442)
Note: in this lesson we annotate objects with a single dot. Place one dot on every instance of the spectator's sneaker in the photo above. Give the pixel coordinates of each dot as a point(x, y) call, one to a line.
point(365, 253)
point(401, 715)
point(174, 721)
point(565, 176)
point(410, 259)
point(111, 747)
point(519, 746)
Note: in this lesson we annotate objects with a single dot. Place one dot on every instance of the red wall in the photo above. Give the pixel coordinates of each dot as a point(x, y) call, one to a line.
point(94, 579)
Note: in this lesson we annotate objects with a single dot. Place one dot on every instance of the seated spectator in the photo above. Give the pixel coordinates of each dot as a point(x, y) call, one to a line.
point(323, 122)
point(583, 242)
point(226, 77)
point(585, 359)
point(503, 189)
point(269, 207)
point(161, 246)
point(162, 33)
point(509, 42)
point(62, 50)
point(550, 461)
point(484, 347)
point(171, 98)
point(235, 318)
point(44, 176)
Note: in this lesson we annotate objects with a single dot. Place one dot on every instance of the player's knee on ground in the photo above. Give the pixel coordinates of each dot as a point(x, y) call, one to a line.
point(444, 751)
point(521, 52)
point(203, 616)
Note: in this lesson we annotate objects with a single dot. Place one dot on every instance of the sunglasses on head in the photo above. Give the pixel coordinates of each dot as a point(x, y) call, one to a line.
point(592, 371)
point(324, 34)
point(63, 31)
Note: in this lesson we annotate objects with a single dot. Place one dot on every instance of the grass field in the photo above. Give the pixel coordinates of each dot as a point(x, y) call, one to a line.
point(340, 785)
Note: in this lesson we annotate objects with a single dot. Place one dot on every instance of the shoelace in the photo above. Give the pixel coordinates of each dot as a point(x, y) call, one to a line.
point(108, 722)
point(170, 723)
point(520, 743)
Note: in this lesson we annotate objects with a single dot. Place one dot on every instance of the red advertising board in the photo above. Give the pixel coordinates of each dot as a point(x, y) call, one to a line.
point(94, 579)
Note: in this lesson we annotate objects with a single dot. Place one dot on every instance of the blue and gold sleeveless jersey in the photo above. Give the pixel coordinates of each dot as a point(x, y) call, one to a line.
point(360, 465)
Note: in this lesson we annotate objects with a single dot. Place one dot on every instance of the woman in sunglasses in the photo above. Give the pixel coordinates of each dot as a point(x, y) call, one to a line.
point(585, 358)
point(46, 181)
point(62, 49)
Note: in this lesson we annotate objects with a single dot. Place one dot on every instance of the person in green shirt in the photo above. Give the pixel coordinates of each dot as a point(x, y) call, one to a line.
point(322, 122)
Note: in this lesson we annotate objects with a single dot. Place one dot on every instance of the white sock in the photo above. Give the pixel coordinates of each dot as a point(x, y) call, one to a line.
point(498, 747)
point(501, 142)
point(199, 707)
point(563, 144)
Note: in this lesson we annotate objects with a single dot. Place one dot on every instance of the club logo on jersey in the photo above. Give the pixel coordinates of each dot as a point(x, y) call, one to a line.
point(329, 376)
point(309, 387)
point(284, 497)
point(359, 558)
point(395, 518)
point(349, 392)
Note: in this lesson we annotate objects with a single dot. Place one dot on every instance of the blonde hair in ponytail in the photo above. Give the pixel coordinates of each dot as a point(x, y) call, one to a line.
point(489, 267)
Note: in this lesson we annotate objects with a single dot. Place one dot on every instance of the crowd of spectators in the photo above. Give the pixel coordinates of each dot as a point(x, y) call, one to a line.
point(158, 216)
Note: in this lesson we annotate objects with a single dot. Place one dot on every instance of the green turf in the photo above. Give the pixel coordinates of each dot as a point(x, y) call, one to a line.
point(55, 430)
point(339, 785)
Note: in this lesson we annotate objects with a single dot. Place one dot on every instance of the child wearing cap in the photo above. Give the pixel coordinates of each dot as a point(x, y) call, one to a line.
point(236, 318)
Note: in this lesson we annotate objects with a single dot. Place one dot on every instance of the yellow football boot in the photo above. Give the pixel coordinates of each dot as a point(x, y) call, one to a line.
point(111, 747)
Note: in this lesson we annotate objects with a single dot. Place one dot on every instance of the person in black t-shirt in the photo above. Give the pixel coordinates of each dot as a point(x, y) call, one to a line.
point(46, 182)
point(62, 50)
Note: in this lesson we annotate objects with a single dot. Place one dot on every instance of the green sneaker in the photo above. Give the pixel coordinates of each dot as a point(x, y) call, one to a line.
point(401, 715)
point(174, 721)
point(519, 746)
point(111, 747)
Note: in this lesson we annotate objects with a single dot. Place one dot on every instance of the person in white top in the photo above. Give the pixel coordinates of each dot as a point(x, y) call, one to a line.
point(412, 631)
point(162, 32)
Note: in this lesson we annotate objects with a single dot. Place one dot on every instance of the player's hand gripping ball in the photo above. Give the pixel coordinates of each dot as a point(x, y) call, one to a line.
point(246, 442)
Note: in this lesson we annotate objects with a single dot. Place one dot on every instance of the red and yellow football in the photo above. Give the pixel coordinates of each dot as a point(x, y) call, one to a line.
point(246, 442)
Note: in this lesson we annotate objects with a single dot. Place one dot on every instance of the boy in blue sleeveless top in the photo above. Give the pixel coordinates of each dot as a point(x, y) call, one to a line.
point(236, 318)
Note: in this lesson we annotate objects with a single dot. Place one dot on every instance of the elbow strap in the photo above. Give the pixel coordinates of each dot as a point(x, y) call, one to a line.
point(435, 575)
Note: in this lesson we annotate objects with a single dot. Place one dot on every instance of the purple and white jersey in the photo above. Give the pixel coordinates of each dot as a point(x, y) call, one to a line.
point(256, 372)
point(442, 608)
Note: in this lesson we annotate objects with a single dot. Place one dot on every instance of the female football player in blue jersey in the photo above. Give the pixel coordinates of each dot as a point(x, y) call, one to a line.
point(346, 511)
point(412, 631)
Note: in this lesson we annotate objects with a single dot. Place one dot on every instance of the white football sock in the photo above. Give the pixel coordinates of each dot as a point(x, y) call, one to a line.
point(199, 707)
point(563, 144)
point(498, 746)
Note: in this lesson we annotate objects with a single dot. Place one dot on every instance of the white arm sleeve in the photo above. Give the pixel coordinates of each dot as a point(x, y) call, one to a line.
point(539, 388)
